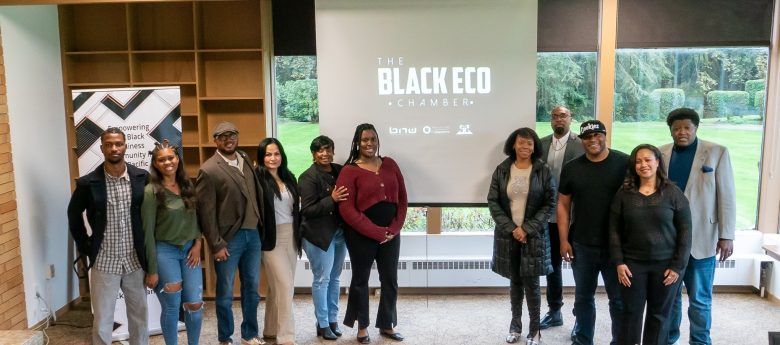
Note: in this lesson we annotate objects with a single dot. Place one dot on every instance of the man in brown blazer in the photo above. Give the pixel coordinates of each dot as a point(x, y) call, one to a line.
point(230, 209)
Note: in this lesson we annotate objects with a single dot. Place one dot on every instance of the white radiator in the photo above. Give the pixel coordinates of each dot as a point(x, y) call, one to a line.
point(463, 260)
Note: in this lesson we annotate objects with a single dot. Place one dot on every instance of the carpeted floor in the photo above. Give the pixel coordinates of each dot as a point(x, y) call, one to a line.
point(739, 318)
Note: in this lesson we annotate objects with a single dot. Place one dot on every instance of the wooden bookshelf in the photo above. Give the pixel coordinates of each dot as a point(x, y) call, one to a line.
point(212, 50)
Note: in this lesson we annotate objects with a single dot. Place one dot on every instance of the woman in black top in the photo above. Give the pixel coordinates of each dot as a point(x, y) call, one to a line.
point(323, 236)
point(521, 199)
point(650, 241)
point(282, 243)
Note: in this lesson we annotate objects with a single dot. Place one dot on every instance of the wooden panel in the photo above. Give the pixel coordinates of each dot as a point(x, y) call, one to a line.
point(231, 74)
point(247, 115)
point(189, 135)
point(191, 161)
point(95, 27)
point(189, 100)
point(104, 68)
point(164, 67)
point(230, 25)
point(162, 26)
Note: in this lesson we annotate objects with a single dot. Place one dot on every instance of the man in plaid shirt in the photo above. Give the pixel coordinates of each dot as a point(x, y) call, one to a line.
point(112, 196)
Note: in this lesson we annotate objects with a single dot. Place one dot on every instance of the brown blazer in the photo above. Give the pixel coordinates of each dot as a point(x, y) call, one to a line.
point(222, 199)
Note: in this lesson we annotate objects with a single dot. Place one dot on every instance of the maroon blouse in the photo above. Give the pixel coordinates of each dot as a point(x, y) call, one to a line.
point(367, 188)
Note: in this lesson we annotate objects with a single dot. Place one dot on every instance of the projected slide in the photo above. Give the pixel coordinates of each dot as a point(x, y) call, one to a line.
point(444, 82)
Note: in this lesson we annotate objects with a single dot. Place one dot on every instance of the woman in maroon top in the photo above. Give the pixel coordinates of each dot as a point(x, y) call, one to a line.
point(374, 211)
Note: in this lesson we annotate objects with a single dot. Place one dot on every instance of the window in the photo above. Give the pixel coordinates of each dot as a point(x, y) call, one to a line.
point(726, 86)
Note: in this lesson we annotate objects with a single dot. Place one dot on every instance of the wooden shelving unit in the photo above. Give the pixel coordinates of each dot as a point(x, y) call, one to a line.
point(211, 50)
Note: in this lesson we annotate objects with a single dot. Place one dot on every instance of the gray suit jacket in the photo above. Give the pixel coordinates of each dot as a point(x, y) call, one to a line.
point(574, 150)
point(222, 200)
point(711, 195)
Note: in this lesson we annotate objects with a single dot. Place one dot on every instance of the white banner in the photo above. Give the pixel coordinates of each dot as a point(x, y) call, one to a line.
point(146, 116)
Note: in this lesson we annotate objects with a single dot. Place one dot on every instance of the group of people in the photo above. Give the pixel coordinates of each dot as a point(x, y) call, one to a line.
point(649, 222)
point(147, 230)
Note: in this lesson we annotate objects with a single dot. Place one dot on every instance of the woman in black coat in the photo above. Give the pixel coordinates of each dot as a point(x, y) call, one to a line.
point(323, 234)
point(521, 199)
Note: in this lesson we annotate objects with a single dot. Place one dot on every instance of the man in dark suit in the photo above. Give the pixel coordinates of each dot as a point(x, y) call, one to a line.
point(230, 209)
point(112, 195)
point(558, 149)
point(702, 169)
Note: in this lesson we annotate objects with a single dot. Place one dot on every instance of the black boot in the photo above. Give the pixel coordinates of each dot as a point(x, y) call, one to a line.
point(334, 327)
point(551, 319)
point(325, 333)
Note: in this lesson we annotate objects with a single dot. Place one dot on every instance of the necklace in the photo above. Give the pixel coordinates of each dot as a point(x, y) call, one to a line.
point(558, 145)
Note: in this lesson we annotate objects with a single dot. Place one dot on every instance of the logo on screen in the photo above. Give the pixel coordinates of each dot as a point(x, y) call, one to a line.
point(430, 86)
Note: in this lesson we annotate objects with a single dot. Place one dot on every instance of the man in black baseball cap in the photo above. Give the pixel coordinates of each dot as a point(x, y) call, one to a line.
point(585, 192)
point(592, 126)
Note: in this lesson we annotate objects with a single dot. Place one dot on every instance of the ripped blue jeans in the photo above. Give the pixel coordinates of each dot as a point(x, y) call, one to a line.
point(184, 293)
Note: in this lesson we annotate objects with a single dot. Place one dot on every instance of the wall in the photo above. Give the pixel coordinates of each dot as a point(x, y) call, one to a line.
point(12, 303)
point(40, 160)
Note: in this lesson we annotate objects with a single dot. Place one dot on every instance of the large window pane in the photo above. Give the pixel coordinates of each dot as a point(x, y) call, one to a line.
point(726, 86)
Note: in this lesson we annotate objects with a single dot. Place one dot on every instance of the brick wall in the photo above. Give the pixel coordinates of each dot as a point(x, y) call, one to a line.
point(13, 313)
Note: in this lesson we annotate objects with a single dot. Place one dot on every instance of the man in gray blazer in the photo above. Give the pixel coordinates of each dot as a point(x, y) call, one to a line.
point(701, 169)
point(557, 149)
point(230, 209)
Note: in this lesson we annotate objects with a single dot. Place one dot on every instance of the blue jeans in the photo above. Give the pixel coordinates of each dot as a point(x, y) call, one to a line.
point(588, 262)
point(244, 250)
point(173, 269)
point(698, 280)
point(326, 268)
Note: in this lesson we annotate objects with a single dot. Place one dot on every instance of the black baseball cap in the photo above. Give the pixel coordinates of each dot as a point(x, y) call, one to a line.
point(592, 126)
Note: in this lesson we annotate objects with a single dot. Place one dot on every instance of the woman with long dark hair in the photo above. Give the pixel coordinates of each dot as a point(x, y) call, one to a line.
point(374, 211)
point(650, 242)
point(521, 198)
point(173, 241)
point(323, 234)
point(282, 242)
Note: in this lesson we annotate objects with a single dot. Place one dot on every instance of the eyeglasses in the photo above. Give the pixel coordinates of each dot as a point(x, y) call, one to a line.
point(227, 136)
point(559, 116)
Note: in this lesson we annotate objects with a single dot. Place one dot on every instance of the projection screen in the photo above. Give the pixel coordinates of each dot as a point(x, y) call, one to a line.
point(444, 82)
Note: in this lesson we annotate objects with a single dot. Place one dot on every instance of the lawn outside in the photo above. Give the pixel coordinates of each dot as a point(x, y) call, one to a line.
point(742, 140)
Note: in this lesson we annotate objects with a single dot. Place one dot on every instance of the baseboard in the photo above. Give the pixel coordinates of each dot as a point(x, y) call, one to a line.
point(772, 298)
point(60, 312)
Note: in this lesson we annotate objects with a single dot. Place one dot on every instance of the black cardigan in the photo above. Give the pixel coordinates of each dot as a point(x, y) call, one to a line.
point(269, 213)
point(320, 216)
point(533, 257)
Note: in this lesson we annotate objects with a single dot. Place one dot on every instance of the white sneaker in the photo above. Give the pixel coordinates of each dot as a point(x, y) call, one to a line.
point(253, 341)
point(513, 337)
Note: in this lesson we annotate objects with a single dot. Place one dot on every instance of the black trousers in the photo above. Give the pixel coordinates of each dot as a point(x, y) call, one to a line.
point(363, 251)
point(647, 287)
point(554, 279)
point(528, 286)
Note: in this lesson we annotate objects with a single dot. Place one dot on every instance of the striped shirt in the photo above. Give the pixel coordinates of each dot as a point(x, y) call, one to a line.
point(117, 253)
